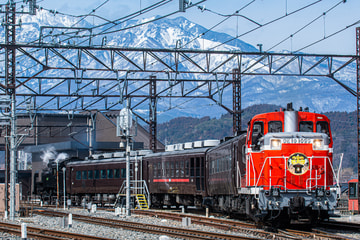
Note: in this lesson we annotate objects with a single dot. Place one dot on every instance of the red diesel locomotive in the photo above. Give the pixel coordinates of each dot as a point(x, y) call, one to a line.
point(289, 171)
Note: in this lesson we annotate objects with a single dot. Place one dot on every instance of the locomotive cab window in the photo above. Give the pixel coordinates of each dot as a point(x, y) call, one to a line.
point(257, 133)
point(322, 127)
point(306, 126)
point(275, 126)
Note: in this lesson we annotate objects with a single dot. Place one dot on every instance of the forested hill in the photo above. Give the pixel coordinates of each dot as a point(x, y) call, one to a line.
point(187, 129)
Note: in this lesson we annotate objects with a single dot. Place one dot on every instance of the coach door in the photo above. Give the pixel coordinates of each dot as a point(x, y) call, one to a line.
point(198, 171)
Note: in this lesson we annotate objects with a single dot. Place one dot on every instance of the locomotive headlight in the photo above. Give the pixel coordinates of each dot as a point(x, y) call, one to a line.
point(318, 144)
point(275, 144)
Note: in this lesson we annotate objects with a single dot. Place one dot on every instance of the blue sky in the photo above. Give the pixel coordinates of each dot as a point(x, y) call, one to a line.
point(259, 11)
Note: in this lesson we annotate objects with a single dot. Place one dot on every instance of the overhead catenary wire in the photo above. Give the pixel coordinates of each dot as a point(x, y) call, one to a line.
point(287, 14)
point(219, 23)
point(306, 25)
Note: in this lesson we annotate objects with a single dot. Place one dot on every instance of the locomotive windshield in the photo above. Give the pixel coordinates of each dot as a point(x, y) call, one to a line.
point(306, 126)
point(257, 133)
point(275, 126)
point(322, 127)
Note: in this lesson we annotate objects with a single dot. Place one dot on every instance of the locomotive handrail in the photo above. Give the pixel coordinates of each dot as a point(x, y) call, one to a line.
point(251, 161)
point(317, 177)
point(308, 188)
point(263, 166)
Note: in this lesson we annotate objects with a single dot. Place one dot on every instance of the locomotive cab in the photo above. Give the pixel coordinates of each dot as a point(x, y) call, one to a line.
point(289, 166)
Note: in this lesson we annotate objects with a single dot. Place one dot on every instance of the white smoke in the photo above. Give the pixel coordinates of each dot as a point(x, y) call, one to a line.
point(50, 154)
point(61, 157)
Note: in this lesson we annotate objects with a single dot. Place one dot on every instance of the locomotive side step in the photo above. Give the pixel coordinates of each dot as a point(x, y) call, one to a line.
point(141, 199)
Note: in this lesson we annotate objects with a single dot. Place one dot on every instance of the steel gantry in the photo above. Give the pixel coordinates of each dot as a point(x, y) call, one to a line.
point(80, 78)
point(90, 74)
point(358, 95)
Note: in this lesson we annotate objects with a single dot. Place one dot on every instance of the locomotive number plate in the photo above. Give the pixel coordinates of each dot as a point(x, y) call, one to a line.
point(296, 140)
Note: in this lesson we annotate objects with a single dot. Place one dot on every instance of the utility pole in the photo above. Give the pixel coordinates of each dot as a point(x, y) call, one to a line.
point(10, 85)
point(10, 80)
point(125, 123)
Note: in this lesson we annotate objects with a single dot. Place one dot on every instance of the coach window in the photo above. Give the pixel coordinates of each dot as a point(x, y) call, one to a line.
point(167, 170)
point(103, 174)
point(155, 170)
point(172, 169)
point(97, 174)
point(191, 167)
point(159, 170)
point(257, 133)
point(117, 173)
point(131, 170)
point(78, 175)
point(177, 169)
point(306, 126)
point(197, 167)
point(110, 173)
point(84, 175)
point(275, 126)
point(123, 173)
point(187, 168)
point(90, 174)
point(322, 127)
point(182, 169)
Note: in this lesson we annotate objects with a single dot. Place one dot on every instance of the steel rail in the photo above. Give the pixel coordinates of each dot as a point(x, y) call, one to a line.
point(42, 233)
point(148, 228)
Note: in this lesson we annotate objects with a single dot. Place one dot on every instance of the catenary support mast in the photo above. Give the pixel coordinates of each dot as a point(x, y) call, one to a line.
point(236, 101)
point(10, 81)
point(358, 94)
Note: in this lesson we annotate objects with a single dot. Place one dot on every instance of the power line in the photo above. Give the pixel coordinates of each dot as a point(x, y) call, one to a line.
point(306, 25)
point(268, 23)
point(226, 18)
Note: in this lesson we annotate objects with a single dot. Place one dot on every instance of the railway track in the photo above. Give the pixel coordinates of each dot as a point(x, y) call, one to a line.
point(46, 234)
point(235, 227)
point(148, 228)
point(244, 227)
point(341, 225)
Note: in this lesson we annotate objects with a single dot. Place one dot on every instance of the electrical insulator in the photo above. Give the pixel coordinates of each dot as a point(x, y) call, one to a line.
point(182, 5)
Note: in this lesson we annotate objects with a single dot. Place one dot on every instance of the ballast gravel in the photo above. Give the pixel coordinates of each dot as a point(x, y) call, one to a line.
point(58, 223)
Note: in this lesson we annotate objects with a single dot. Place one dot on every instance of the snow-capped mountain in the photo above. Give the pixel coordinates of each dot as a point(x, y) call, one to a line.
point(319, 94)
